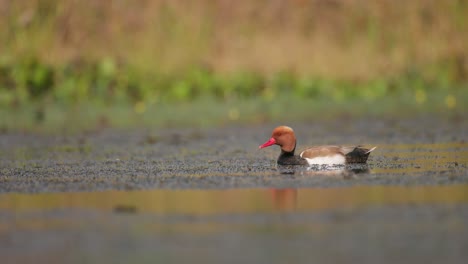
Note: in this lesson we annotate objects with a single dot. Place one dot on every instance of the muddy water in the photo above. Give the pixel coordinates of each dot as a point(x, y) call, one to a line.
point(209, 195)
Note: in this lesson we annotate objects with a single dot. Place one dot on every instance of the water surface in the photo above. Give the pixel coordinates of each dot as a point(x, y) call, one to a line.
point(365, 223)
point(210, 196)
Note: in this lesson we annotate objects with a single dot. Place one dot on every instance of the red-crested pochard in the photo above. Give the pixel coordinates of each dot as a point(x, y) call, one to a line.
point(284, 137)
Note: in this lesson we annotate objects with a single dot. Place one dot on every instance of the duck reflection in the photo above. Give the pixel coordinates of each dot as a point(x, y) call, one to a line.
point(284, 199)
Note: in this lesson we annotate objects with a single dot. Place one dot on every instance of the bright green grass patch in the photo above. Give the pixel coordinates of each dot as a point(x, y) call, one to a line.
point(30, 80)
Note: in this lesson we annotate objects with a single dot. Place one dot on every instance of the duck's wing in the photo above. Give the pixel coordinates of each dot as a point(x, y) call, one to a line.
point(322, 151)
point(324, 155)
point(336, 154)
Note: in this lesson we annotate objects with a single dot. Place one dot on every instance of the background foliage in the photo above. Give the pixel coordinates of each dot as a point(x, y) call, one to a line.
point(150, 52)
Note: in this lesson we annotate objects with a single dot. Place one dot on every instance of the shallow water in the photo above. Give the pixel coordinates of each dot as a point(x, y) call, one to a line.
point(143, 167)
point(363, 223)
point(209, 195)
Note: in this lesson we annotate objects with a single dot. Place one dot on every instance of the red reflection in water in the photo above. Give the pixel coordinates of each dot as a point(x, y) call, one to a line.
point(284, 199)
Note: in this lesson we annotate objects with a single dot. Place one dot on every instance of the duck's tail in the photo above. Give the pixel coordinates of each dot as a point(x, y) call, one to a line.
point(358, 155)
point(370, 150)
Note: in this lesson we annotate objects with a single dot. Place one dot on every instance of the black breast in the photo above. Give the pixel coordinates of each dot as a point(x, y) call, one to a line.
point(288, 158)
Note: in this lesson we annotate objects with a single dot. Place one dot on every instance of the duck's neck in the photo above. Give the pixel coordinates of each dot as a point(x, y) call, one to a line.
point(288, 153)
point(288, 157)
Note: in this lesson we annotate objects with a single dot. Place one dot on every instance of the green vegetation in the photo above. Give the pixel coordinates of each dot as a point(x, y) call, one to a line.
point(104, 81)
point(65, 56)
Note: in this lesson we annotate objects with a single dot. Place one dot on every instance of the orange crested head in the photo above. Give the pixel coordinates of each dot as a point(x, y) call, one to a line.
point(282, 136)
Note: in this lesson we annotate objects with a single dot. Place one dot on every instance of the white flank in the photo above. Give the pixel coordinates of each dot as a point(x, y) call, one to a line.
point(327, 160)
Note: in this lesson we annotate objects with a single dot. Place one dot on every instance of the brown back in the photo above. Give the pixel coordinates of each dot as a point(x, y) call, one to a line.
point(323, 151)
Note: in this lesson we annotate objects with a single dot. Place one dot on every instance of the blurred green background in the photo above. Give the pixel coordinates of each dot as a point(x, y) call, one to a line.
point(67, 65)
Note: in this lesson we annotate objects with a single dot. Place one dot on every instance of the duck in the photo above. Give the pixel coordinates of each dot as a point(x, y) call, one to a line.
point(284, 137)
